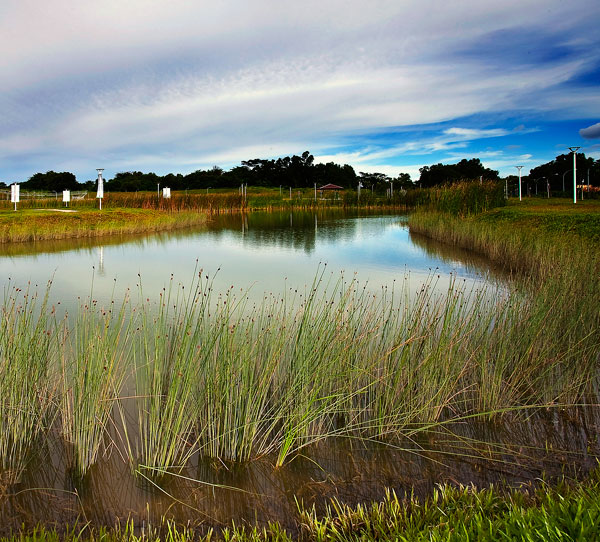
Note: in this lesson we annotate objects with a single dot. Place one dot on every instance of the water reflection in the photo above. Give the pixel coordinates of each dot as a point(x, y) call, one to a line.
point(264, 252)
point(544, 444)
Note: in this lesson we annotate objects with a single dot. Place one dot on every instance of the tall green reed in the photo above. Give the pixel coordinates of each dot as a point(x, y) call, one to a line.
point(170, 351)
point(94, 358)
point(27, 382)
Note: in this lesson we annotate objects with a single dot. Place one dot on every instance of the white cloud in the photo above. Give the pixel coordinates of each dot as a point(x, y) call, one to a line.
point(189, 83)
point(471, 133)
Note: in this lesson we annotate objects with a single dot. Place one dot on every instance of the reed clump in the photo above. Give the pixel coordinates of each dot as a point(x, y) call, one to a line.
point(27, 382)
point(94, 355)
point(228, 380)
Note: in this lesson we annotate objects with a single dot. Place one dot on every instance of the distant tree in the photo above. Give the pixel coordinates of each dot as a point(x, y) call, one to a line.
point(52, 181)
point(332, 173)
point(559, 172)
point(404, 181)
point(464, 170)
point(378, 182)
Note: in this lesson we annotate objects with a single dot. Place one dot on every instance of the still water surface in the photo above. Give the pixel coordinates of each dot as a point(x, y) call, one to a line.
point(262, 252)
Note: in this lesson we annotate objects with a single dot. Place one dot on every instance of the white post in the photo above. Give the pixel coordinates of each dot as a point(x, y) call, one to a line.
point(100, 192)
point(574, 151)
point(519, 168)
point(315, 191)
point(290, 193)
point(15, 192)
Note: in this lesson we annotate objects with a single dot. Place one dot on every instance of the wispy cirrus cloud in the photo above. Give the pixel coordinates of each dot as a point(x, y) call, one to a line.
point(168, 85)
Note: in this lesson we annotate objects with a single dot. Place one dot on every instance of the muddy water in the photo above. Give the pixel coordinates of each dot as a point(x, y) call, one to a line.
point(211, 494)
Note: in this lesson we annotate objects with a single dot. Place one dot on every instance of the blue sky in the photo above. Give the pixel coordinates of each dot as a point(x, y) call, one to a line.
point(389, 86)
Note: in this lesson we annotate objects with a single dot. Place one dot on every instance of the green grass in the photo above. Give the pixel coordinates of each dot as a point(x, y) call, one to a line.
point(554, 216)
point(565, 512)
point(37, 225)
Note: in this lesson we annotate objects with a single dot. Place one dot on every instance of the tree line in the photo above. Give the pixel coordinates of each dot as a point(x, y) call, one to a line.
point(301, 171)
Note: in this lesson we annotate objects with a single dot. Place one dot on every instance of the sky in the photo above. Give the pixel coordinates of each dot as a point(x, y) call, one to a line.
point(385, 86)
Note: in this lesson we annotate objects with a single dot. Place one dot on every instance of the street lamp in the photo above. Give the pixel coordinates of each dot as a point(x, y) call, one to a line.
point(519, 168)
point(563, 176)
point(574, 151)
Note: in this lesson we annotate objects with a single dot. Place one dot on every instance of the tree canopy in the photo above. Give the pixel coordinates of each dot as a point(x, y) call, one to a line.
point(560, 172)
point(464, 170)
point(52, 181)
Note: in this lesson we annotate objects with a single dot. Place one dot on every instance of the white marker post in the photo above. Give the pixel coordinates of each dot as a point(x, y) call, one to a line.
point(574, 151)
point(100, 193)
point(15, 192)
point(519, 168)
point(66, 197)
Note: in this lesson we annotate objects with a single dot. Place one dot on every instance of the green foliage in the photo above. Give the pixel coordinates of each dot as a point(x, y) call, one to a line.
point(440, 174)
point(52, 181)
point(466, 197)
point(460, 514)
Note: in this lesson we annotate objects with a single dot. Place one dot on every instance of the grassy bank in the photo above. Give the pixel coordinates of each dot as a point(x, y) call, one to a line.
point(563, 512)
point(136, 212)
point(37, 225)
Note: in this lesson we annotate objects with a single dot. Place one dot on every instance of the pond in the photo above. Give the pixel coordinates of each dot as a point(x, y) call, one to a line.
point(258, 253)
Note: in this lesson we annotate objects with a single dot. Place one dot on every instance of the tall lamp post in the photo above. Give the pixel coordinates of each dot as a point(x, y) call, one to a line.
point(519, 168)
point(563, 177)
point(574, 151)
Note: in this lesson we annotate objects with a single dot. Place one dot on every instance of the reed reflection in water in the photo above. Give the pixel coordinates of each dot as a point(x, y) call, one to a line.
point(263, 251)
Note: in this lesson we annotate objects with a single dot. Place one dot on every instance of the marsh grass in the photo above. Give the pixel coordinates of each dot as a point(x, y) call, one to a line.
point(227, 379)
point(219, 377)
point(39, 225)
point(27, 383)
point(95, 354)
